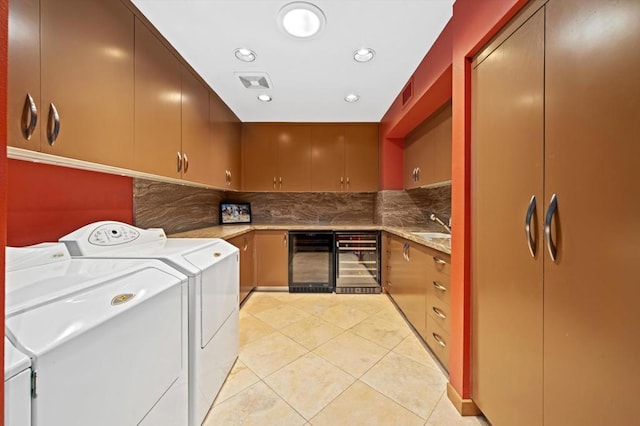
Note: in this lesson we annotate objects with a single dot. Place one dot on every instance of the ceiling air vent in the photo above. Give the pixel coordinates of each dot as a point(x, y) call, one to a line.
point(254, 80)
point(407, 92)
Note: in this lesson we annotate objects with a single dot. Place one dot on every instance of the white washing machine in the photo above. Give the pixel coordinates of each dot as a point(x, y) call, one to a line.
point(17, 386)
point(212, 266)
point(94, 331)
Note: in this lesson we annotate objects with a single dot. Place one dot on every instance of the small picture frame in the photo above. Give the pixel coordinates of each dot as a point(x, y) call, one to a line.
point(235, 213)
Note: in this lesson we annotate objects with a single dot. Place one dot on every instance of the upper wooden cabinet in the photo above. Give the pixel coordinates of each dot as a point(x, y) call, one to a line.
point(361, 157)
point(196, 147)
point(427, 151)
point(344, 157)
point(310, 157)
point(85, 100)
point(23, 89)
point(158, 103)
point(276, 157)
point(225, 137)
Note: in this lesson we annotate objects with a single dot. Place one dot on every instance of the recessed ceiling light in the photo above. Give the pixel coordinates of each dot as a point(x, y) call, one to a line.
point(245, 55)
point(363, 55)
point(264, 98)
point(351, 97)
point(301, 19)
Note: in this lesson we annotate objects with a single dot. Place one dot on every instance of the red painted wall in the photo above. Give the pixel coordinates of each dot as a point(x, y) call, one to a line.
point(445, 73)
point(46, 202)
point(4, 5)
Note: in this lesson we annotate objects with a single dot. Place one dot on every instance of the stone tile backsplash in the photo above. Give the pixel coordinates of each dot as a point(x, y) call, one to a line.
point(178, 208)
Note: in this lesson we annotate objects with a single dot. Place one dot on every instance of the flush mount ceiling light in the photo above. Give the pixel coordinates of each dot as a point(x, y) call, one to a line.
point(301, 19)
point(245, 55)
point(351, 98)
point(363, 55)
point(264, 98)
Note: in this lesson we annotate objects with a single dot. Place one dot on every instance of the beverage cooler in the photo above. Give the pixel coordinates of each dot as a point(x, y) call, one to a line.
point(311, 262)
point(358, 262)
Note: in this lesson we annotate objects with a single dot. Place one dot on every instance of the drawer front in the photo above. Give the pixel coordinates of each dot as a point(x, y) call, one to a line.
point(438, 312)
point(438, 289)
point(440, 263)
point(438, 341)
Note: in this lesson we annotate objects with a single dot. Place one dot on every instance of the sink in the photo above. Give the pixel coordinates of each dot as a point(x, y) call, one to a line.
point(432, 235)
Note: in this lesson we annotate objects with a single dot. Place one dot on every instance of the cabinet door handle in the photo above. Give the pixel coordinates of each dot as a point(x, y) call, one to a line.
point(348, 182)
point(186, 162)
point(527, 226)
point(439, 339)
point(280, 182)
point(274, 182)
point(53, 124)
point(284, 239)
point(179, 162)
point(230, 178)
point(439, 313)
point(245, 244)
point(418, 174)
point(29, 117)
point(439, 286)
point(439, 261)
point(551, 212)
point(341, 182)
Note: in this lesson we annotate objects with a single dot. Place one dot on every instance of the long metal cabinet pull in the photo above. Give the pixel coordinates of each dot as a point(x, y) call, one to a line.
point(439, 313)
point(53, 124)
point(274, 182)
point(439, 286)
point(29, 117)
point(527, 226)
point(179, 163)
point(285, 239)
point(551, 211)
point(186, 162)
point(439, 261)
point(439, 339)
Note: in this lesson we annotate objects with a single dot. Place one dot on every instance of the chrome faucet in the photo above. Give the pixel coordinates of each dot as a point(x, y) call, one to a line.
point(435, 218)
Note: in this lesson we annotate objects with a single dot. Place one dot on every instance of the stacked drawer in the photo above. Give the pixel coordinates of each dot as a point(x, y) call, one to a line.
point(438, 298)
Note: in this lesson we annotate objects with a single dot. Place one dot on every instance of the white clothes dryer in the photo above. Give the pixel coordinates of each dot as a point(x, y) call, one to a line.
point(94, 331)
point(212, 265)
point(17, 386)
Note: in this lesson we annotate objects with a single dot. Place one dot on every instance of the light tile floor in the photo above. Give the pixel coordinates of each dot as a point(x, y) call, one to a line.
point(331, 359)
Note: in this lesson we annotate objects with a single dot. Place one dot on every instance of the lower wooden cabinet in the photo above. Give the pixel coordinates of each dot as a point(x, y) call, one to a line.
point(246, 244)
point(272, 264)
point(417, 278)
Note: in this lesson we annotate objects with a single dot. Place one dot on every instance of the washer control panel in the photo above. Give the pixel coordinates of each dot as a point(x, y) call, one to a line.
point(100, 237)
point(113, 234)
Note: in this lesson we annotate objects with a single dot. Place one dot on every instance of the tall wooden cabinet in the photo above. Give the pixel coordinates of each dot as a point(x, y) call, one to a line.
point(427, 151)
point(554, 336)
point(246, 244)
point(361, 157)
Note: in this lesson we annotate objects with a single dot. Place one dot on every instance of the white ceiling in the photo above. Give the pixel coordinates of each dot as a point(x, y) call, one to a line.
point(310, 77)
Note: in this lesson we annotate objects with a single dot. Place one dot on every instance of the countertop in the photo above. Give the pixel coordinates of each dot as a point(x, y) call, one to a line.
point(230, 231)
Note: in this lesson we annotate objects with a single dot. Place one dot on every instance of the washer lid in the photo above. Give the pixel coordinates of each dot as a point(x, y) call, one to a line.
point(29, 287)
point(14, 360)
point(79, 312)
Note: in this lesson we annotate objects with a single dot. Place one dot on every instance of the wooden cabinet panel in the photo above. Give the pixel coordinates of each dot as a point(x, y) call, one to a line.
point(591, 292)
point(196, 146)
point(294, 158)
point(327, 158)
point(24, 73)
point(438, 340)
point(259, 157)
point(157, 105)
point(427, 150)
point(87, 73)
point(507, 281)
point(272, 255)
point(361, 157)
point(246, 244)
point(225, 142)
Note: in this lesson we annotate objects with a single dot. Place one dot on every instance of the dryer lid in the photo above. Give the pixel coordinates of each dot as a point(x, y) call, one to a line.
point(14, 360)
